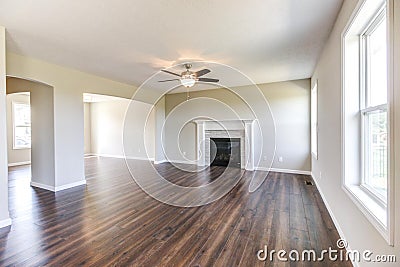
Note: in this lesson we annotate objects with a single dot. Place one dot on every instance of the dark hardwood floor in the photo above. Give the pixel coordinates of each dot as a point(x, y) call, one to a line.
point(112, 222)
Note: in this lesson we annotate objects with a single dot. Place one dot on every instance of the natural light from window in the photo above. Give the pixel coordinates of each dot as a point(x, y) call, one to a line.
point(22, 125)
point(314, 120)
point(378, 65)
point(374, 113)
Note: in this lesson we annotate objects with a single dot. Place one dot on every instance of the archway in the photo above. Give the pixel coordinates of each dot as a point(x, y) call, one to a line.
point(42, 127)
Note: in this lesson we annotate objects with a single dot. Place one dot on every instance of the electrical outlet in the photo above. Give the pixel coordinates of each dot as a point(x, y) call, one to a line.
point(265, 158)
point(280, 159)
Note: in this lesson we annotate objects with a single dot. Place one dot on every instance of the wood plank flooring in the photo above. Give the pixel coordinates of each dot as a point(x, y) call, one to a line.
point(112, 222)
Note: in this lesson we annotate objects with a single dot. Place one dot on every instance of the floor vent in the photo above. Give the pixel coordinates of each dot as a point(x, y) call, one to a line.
point(308, 183)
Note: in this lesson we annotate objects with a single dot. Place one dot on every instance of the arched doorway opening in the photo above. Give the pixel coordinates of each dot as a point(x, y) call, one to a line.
point(41, 143)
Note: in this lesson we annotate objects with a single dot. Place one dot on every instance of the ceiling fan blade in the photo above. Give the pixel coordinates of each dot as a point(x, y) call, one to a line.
point(210, 80)
point(168, 80)
point(167, 71)
point(202, 72)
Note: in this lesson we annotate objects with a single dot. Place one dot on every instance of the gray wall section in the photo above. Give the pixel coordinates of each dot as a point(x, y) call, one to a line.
point(69, 137)
point(290, 105)
point(43, 157)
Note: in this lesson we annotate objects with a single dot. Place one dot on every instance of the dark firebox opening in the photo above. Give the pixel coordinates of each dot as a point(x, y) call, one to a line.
point(226, 151)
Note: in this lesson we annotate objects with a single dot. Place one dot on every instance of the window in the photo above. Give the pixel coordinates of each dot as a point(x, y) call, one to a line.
point(314, 120)
point(366, 140)
point(374, 108)
point(22, 125)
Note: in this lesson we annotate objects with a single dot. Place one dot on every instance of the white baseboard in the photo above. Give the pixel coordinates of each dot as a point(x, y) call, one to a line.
point(58, 188)
point(140, 158)
point(283, 170)
point(19, 163)
point(335, 221)
point(327, 205)
point(43, 186)
point(257, 168)
point(5, 223)
point(108, 156)
point(121, 157)
point(71, 185)
point(181, 162)
point(160, 161)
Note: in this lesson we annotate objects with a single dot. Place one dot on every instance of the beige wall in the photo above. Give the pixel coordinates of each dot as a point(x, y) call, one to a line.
point(356, 228)
point(290, 105)
point(107, 129)
point(16, 156)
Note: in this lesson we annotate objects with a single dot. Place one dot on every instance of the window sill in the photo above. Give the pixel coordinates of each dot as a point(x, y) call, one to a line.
point(20, 148)
point(374, 211)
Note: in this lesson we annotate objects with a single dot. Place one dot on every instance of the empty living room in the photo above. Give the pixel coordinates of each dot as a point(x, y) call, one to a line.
point(200, 133)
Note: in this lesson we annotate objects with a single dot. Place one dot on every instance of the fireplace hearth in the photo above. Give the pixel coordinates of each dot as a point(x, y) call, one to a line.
point(225, 152)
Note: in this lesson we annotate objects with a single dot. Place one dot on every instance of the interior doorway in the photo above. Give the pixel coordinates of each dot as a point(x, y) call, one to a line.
point(19, 143)
point(30, 130)
point(19, 131)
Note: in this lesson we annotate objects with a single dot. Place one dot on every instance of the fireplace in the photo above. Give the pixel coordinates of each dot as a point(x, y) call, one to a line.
point(225, 152)
point(240, 129)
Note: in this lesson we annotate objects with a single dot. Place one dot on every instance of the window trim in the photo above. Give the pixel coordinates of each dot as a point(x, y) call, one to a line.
point(314, 153)
point(365, 106)
point(381, 218)
point(15, 147)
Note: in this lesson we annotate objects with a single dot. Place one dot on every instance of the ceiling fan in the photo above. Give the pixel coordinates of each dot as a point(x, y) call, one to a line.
point(188, 78)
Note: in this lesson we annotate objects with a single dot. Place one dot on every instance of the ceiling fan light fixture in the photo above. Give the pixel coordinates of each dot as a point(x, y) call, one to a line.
point(188, 80)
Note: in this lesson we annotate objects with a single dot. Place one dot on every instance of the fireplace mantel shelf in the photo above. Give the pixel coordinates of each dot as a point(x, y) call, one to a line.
point(217, 121)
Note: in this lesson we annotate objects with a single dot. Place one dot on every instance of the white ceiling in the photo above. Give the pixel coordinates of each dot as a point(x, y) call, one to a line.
point(129, 40)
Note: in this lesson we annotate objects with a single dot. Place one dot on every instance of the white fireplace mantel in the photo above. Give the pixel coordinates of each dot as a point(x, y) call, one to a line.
point(238, 128)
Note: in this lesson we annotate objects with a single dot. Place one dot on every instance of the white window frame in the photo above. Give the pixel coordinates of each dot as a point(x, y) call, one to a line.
point(379, 214)
point(365, 107)
point(377, 196)
point(15, 146)
point(314, 120)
